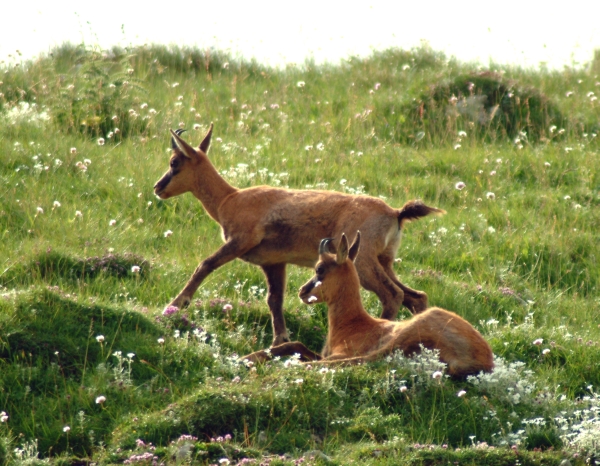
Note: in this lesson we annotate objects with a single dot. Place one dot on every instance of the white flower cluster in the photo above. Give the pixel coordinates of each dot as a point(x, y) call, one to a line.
point(510, 382)
point(581, 429)
point(25, 112)
point(425, 367)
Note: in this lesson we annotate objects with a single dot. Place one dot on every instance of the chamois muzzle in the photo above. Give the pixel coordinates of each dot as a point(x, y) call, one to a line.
point(310, 292)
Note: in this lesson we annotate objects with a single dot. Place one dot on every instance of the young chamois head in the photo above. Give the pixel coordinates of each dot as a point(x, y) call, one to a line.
point(334, 271)
point(179, 178)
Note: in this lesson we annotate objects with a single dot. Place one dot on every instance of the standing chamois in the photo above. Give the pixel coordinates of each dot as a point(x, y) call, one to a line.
point(354, 336)
point(272, 227)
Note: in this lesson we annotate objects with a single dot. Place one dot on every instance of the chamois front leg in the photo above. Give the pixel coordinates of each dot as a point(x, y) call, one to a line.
point(226, 253)
point(289, 348)
point(276, 283)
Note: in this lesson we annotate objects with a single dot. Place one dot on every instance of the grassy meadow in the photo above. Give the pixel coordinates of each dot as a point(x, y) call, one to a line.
point(91, 371)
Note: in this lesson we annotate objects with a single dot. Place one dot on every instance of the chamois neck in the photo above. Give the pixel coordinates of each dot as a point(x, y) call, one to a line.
point(210, 188)
point(345, 305)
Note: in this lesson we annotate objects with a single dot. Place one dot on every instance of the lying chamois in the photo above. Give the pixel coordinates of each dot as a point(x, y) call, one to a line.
point(354, 336)
point(272, 227)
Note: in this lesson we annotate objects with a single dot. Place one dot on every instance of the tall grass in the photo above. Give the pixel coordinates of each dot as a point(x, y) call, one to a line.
point(90, 369)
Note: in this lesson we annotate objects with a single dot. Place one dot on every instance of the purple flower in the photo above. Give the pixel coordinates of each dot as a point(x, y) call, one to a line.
point(170, 310)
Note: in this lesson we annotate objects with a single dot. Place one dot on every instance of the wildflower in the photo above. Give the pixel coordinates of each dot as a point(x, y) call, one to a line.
point(73, 150)
point(112, 223)
point(170, 310)
point(493, 173)
point(100, 399)
point(569, 94)
point(491, 229)
point(403, 388)
point(135, 268)
point(538, 342)
point(225, 65)
point(161, 341)
point(552, 128)
point(491, 196)
point(227, 308)
point(377, 86)
point(39, 210)
point(236, 379)
point(56, 205)
point(437, 375)
point(130, 355)
point(152, 111)
point(567, 197)
point(545, 351)
point(577, 206)
point(117, 130)
point(197, 126)
point(461, 393)
point(309, 147)
point(300, 84)
point(462, 134)
point(457, 146)
point(224, 460)
point(320, 146)
point(100, 141)
point(66, 429)
point(168, 233)
point(460, 186)
point(99, 338)
point(547, 164)
point(343, 181)
point(3, 416)
point(299, 381)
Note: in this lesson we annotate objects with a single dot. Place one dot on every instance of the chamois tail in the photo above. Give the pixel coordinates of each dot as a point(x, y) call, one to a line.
point(415, 209)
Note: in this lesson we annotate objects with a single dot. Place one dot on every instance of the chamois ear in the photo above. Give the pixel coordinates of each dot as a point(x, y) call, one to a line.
point(205, 144)
point(183, 146)
point(354, 248)
point(342, 252)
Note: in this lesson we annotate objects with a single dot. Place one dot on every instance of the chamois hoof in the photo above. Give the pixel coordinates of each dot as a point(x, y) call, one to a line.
point(257, 357)
point(180, 302)
point(280, 339)
point(416, 303)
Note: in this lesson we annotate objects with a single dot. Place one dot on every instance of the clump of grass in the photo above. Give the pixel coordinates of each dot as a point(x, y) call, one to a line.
point(486, 104)
point(53, 266)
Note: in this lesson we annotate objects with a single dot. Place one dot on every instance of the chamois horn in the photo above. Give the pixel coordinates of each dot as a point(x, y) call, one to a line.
point(324, 246)
point(178, 133)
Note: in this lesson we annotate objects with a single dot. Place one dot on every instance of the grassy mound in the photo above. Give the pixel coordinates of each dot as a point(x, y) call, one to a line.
point(486, 104)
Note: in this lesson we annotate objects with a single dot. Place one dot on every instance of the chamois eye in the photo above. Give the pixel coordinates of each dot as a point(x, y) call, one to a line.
point(320, 270)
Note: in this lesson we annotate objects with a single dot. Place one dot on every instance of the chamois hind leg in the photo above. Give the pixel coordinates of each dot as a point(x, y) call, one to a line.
point(414, 300)
point(374, 278)
point(289, 348)
point(226, 253)
point(276, 283)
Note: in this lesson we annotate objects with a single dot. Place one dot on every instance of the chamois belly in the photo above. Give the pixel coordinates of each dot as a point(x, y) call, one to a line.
point(289, 242)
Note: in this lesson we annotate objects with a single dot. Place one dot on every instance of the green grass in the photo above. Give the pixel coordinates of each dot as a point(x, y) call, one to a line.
point(516, 255)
